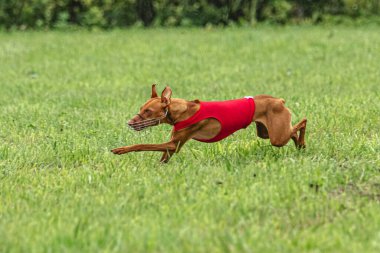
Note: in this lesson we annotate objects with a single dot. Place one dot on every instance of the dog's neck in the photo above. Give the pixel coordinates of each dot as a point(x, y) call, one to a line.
point(180, 109)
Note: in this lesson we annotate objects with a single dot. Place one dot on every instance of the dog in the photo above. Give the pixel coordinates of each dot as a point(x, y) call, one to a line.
point(213, 121)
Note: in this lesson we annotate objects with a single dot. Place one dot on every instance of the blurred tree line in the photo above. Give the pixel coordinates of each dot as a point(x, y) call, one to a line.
point(22, 14)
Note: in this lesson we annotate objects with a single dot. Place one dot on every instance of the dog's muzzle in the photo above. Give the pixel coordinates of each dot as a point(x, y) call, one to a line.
point(140, 125)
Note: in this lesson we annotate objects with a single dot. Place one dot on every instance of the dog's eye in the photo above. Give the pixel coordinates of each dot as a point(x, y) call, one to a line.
point(147, 111)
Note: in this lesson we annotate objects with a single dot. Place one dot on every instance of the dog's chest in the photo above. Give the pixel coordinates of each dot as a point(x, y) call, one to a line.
point(209, 131)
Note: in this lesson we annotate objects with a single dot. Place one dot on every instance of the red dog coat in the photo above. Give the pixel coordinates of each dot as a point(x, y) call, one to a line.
point(233, 115)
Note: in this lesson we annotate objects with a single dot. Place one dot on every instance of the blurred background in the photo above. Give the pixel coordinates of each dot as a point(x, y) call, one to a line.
point(106, 14)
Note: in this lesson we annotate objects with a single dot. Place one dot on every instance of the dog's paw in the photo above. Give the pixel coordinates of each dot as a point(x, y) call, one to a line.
point(301, 146)
point(118, 151)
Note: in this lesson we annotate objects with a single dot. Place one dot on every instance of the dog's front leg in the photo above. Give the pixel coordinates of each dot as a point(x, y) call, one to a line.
point(167, 146)
point(166, 156)
point(168, 153)
point(181, 137)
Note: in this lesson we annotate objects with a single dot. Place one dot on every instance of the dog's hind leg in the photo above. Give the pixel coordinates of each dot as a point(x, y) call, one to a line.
point(301, 127)
point(278, 122)
point(280, 130)
point(295, 139)
point(301, 139)
point(273, 121)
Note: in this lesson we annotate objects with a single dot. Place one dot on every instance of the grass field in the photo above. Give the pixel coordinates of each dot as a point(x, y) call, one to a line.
point(64, 100)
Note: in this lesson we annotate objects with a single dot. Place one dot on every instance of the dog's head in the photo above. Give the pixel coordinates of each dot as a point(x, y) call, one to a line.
point(154, 111)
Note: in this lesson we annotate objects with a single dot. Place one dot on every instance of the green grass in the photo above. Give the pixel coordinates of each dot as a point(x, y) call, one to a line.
point(64, 99)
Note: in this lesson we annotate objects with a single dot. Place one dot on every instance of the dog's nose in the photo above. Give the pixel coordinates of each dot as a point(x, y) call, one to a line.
point(130, 122)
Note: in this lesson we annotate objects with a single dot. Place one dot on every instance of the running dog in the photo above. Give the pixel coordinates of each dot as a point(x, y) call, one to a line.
point(213, 121)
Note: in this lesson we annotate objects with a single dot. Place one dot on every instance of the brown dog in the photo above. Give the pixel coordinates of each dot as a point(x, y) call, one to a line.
point(272, 118)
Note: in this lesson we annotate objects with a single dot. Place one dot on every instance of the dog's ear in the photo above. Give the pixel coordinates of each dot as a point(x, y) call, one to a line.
point(166, 95)
point(154, 92)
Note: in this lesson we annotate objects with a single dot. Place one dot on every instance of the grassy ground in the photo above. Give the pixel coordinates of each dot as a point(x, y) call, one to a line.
point(64, 98)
